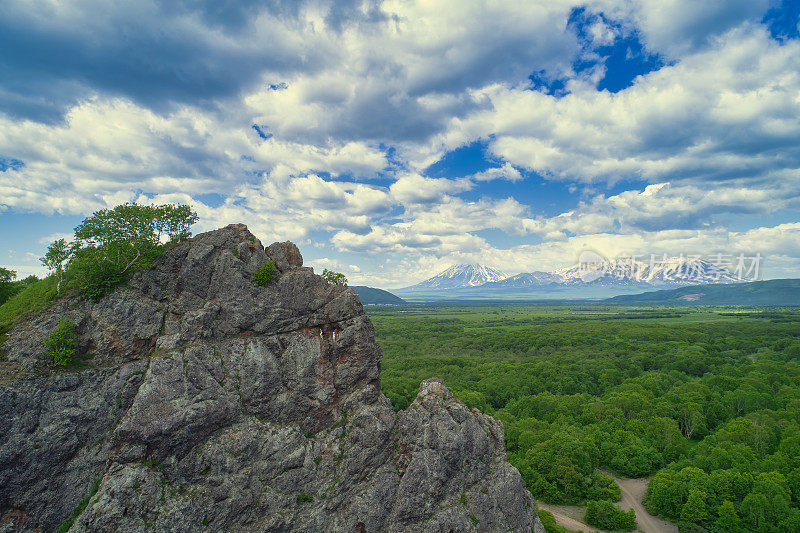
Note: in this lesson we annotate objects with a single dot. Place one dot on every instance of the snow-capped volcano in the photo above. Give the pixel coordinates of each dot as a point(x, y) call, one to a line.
point(459, 276)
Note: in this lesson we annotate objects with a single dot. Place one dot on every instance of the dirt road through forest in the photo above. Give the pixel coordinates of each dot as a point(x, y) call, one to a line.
point(632, 493)
point(571, 517)
point(568, 516)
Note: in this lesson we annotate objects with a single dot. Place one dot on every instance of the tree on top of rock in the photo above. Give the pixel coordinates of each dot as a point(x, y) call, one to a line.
point(57, 254)
point(113, 243)
point(337, 278)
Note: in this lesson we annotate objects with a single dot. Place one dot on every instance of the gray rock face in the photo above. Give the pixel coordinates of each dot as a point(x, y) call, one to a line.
point(213, 404)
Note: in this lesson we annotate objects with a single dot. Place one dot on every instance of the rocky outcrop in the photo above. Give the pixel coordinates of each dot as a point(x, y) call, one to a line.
point(213, 404)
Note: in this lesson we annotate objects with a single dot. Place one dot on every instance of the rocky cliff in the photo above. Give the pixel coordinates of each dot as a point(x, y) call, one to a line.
point(213, 404)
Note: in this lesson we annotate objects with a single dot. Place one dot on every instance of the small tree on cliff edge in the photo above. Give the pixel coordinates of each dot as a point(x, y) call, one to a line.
point(7, 278)
point(336, 278)
point(57, 254)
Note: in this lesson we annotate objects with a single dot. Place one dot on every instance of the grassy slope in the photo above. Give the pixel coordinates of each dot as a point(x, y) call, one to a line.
point(30, 300)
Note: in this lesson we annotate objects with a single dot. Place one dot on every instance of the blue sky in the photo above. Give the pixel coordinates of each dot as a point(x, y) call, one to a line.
point(392, 139)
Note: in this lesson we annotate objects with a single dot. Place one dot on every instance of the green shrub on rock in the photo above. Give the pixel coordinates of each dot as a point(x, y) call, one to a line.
point(265, 274)
point(62, 343)
point(337, 278)
point(66, 526)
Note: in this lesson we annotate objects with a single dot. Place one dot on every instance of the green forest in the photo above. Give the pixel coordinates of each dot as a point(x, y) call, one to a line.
point(705, 401)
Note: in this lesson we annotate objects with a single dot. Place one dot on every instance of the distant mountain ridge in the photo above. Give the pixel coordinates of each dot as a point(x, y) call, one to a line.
point(599, 279)
point(771, 292)
point(373, 296)
point(526, 279)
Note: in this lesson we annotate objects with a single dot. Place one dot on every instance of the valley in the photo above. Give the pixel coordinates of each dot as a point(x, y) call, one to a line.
point(704, 401)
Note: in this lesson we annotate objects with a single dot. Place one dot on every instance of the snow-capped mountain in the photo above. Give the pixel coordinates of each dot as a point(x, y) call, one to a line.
point(459, 276)
point(589, 278)
point(670, 271)
point(592, 277)
point(684, 271)
point(610, 273)
point(525, 279)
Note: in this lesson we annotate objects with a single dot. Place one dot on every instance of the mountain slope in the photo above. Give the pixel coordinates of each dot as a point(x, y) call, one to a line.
point(214, 404)
point(524, 280)
point(771, 292)
point(458, 276)
point(373, 296)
